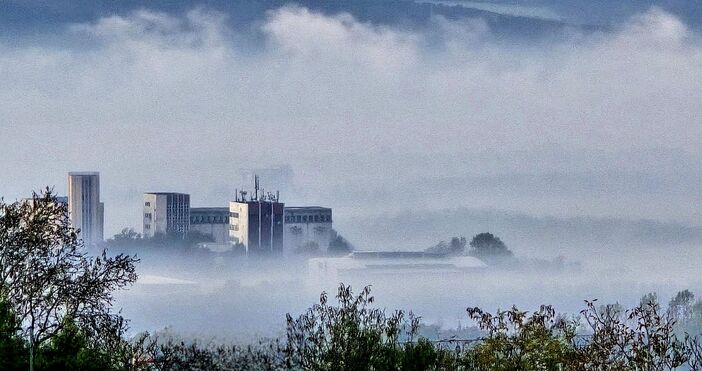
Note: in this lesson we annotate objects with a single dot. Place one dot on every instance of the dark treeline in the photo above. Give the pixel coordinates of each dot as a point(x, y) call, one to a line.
point(194, 244)
point(352, 334)
point(56, 314)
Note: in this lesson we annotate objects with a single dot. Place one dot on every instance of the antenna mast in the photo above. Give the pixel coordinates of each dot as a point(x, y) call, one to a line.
point(256, 186)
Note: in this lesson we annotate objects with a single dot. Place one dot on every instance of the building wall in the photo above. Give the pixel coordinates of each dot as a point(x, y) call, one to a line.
point(239, 222)
point(257, 225)
point(211, 221)
point(84, 207)
point(307, 224)
point(153, 222)
point(166, 213)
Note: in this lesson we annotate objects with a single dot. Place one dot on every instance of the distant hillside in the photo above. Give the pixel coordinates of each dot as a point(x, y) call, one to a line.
point(526, 234)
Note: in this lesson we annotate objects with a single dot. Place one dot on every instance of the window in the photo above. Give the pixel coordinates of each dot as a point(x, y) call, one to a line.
point(299, 218)
point(316, 218)
point(234, 215)
point(147, 203)
point(147, 226)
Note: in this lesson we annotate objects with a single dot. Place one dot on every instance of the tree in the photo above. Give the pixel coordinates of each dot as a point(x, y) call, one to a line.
point(487, 246)
point(517, 340)
point(47, 276)
point(71, 349)
point(641, 339)
point(310, 248)
point(127, 235)
point(456, 246)
point(681, 305)
point(338, 245)
point(12, 346)
point(350, 336)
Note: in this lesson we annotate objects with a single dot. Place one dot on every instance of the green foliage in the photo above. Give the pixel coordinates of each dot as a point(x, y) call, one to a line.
point(72, 350)
point(488, 247)
point(456, 246)
point(126, 237)
point(338, 245)
point(13, 350)
point(130, 241)
point(48, 279)
point(356, 336)
point(310, 248)
point(517, 340)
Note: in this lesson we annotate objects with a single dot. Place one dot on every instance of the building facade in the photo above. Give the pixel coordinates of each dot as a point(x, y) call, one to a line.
point(167, 214)
point(85, 210)
point(212, 221)
point(410, 267)
point(307, 225)
point(257, 225)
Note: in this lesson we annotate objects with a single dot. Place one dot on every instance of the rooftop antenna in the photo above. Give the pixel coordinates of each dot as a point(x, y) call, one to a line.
point(236, 194)
point(277, 196)
point(256, 186)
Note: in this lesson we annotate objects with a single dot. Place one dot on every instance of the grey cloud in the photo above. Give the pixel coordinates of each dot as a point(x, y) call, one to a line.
point(156, 100)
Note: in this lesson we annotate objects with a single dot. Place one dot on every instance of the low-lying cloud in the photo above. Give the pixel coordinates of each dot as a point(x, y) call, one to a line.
point(160, 101)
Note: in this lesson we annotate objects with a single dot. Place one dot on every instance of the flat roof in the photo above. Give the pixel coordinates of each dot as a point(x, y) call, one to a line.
point(397, 254)
point(80, 173)
point(257, 201)
point(303, 208)
point(209, 209)
point(166, 193)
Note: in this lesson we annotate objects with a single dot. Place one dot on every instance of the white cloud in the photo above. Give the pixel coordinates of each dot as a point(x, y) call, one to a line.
point(154, 94)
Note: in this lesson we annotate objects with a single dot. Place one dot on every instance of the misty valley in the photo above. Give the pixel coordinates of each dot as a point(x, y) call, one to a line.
point(350, 185)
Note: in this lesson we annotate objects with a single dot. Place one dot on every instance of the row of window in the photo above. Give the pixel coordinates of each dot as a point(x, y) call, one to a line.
point(234, 215)
point(199, 219)
point(307, 218)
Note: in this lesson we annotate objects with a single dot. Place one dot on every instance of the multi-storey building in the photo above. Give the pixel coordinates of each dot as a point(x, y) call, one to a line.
point(257, 223)
point(166, 213)
point(85, 210)
point(212, 221)
point(307, 225)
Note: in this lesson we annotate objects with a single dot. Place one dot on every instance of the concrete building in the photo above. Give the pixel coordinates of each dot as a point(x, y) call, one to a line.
point(402, 265)
point(213, 221)
point(257, 222)
point(85, 210)
point(166, 213)
point(303, 225)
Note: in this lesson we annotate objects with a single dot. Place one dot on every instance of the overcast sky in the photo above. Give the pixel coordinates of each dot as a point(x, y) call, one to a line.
point(159, 100)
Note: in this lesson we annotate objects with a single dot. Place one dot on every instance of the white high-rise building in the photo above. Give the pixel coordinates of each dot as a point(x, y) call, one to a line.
point(84, 207)
point(166, 214)
point(257, 222)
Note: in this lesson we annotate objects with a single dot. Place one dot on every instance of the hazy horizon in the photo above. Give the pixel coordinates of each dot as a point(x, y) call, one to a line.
point(568, 129)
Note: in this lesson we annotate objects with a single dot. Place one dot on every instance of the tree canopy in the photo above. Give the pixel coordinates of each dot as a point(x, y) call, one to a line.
point(338, 245)
point(49, 280)
point(488, 246)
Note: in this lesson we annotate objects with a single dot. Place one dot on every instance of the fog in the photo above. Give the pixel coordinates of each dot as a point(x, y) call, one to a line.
point(249, 300)
point(584, 144)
